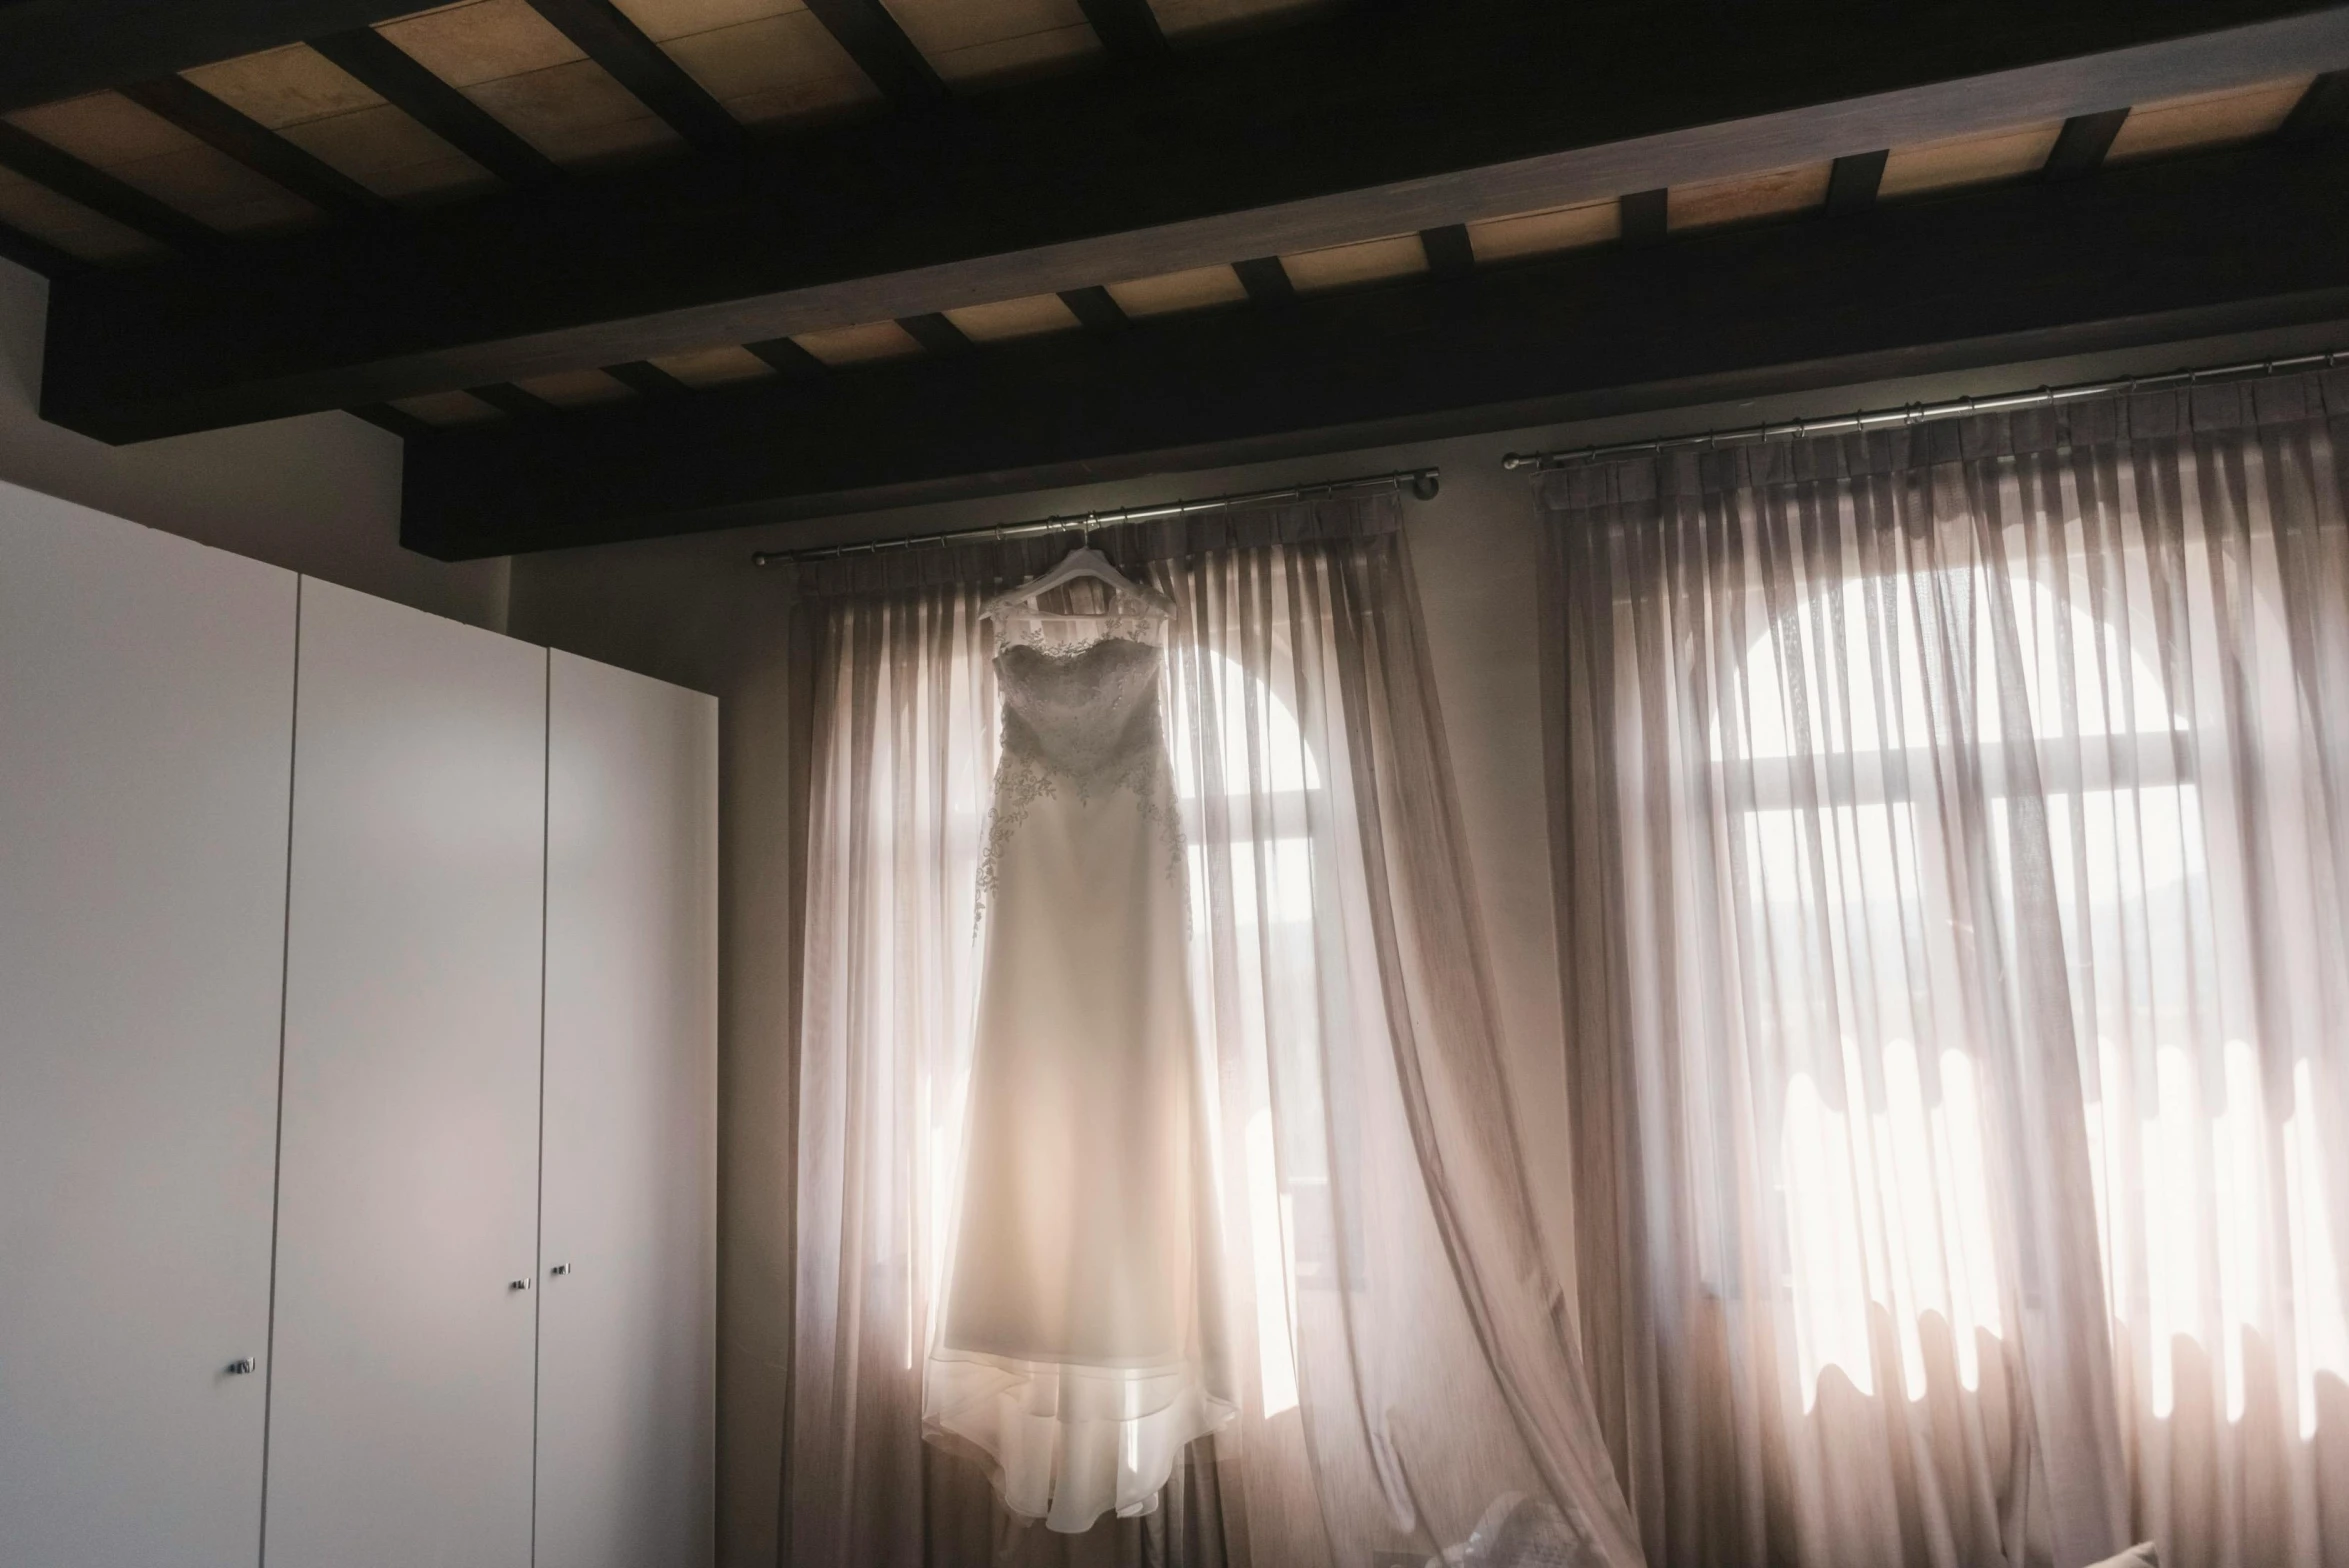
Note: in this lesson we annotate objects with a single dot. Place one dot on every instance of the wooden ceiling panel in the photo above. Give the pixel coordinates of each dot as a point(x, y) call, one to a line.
point(575, 113)
point(282, 87)
point(2206, 119)
point(1540, 233)
point(976, 42)
point(1771, 194)
point(142, 149)
point(391, 155)
point(1013, 318)
point(71, 227)
point(782, 67)
point(1193, 288)
point(1956, 161)
point(662, 20)
point(715, 367)
point(105, 130)
point(873, 340)
point(1364, 261)
point(575, 388)
point(481, 41)
point(1201, 19)
point(447, 408)
point(313, 103)
point(517, 65)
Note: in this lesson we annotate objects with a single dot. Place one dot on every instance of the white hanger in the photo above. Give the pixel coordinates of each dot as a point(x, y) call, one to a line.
point(1083, 561)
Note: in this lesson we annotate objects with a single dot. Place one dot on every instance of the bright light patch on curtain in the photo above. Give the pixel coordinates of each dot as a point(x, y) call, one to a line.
point(1258, 742)
point(1268, 1226)
point(2320, 1328)
point(1889, 1213)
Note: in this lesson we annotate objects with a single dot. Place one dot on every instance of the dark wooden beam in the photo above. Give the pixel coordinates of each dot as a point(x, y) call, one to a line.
point(2081, 145)
point(2321, 109)
point(1097, 308)
point(1449, 252)
point(2241, 240)
point(934, 332)
point(646, 379)
point(1128, 29)
point(1646, 215)
point(789, 358)
point(507, 399)
point(28, 250)
point(1852, 182)
point(882, 51)
point(387, 69)
point(398, 421)
point(256, 146)
point(101, 192)
point(1375, 120)
point(1266, 280)
point(52, 49)
point(612, 41)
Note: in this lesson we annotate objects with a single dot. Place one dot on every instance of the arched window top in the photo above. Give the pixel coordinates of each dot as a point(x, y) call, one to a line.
point(1258, 742)
point(1847, 672)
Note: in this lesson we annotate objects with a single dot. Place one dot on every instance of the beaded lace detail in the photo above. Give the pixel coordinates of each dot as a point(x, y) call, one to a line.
point(1082, 719)
point(1065, 636)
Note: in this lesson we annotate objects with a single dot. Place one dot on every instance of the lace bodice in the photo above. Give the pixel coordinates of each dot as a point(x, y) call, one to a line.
point(1084, 722)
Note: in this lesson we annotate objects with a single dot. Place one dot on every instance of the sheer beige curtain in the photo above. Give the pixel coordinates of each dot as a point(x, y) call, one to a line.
point(1951, 829)
point(1412, 1385)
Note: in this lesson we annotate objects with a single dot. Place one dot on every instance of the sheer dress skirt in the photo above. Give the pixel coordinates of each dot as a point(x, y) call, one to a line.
point(1081, 1341)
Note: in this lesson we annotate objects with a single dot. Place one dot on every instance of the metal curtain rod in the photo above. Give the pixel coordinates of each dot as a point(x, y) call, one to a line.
point(1424, 483)
point(1920, 413)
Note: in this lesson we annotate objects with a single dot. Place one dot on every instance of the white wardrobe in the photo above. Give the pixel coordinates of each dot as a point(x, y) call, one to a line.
point(357, 1077)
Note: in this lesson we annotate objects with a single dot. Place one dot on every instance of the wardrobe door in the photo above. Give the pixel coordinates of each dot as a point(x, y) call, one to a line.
point(146, 726)
point(627, 1336)
point(400, 1412)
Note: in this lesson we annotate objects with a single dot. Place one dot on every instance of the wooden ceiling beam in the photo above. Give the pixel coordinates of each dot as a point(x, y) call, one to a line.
point(256, 146)
point(1853, 180)
point(1266, 280)
point(52, 49)
point(790, 358)
point(1377, 119)
point(1646, 215)
point(872, 38)
point(398, 421)
point(1128, 29)
point(2321, 109)
point(29, 250)
point(1097, 308)
point(102, 193)
point(2081, 145)
point(391, 72)
point(646, 379)
point(2232, 241)
point(1450, 253)
point(604, 32)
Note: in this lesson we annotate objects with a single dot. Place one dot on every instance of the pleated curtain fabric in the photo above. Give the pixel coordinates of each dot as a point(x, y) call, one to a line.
point(1411, 1381)
point(1951, 829)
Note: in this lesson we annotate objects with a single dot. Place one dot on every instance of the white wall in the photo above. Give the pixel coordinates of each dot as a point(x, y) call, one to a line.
point(319, 494)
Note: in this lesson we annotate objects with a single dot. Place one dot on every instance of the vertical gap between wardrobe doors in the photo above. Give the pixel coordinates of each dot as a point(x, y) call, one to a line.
point(546, 801)
point(285, 976)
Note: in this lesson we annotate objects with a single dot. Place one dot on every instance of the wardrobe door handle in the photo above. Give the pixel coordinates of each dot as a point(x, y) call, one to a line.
point(243, 1366)
point(517, 1284)
point(559, 1270)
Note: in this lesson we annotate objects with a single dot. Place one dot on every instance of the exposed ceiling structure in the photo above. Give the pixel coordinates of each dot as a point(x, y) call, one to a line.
point(629, 267)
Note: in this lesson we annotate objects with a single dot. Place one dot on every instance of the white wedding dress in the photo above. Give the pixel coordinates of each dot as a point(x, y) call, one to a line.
point(1081, 1341)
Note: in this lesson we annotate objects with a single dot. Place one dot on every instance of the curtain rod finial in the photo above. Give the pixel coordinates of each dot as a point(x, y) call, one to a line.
point(1425, 484)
